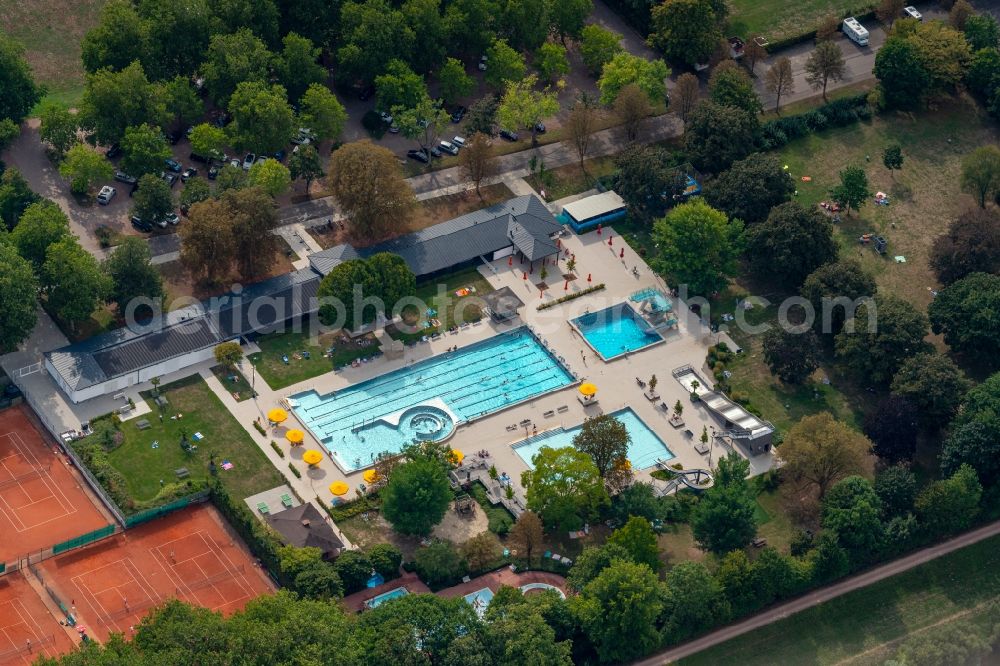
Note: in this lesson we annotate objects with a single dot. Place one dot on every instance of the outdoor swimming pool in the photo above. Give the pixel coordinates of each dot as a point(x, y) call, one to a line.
point(616, 330)
point(396, 593)
point(480, 600)
point(646, 447)
point(427, 400)
point(658, 301)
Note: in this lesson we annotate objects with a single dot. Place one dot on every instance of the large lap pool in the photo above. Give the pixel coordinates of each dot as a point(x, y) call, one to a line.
point(427, 400)
point(616, 330)
point(645, 449)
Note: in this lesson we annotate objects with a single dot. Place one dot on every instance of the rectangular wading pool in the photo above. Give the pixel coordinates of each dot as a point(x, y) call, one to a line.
point(615, 331)
point(427, 400)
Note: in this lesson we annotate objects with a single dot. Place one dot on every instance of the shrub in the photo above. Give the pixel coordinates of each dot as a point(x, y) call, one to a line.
point(385, 559)
point(838, 113)
point(263, 543)
point(570, 297)
point(354, 569)
point(259, 427)
point(277, 449)
point(295, 470)
point(439, 564)
point(500, 520)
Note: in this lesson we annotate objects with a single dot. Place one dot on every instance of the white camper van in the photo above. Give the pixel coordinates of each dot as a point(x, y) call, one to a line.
point(856, 32)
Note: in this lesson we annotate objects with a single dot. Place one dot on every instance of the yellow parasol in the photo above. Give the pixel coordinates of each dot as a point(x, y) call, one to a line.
point(370, 476)
point(456, 456)
point(312, 457)
point(295, 436)
point(339, 488)
point(588, 389)
point(277, 415)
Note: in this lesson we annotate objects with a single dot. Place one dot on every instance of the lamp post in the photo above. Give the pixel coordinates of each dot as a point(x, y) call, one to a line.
point(711, 448)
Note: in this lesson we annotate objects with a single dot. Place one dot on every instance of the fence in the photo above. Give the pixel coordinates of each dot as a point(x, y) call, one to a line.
point(83, 539)
point(156, 512)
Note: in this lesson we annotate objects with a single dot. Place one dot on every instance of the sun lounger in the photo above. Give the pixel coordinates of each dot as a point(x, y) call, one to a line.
point(262, 507)
point(142, 425)
point(286, 501)
point(549, 414)
point(562, 409)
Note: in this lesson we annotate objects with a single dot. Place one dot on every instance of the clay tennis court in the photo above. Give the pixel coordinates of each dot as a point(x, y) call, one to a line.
point(187, 555)
point(27, 628)
point(42, 499)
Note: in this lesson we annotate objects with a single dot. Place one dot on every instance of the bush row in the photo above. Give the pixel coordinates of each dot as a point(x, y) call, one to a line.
point(838, 113)
point(346, 510)
point(570, 297)
point(810, 35)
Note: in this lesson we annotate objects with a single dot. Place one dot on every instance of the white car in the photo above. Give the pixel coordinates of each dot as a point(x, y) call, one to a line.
point(172, 218)
point(106, 194)
point(386, 117)
point(459, 141)
point(482, 64)
point(911, 12)
point(235, 163)
point(248, 161)
point(448, 147)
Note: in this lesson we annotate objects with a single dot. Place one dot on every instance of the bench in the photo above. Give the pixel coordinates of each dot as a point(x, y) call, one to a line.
point(563, 409)
point(142, 424)
point(182, 473)
point(549, 414)
point(759, 542)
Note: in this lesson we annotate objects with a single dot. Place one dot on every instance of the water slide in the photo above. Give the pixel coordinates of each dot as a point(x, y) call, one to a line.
point(698, 480)
point(739, 423)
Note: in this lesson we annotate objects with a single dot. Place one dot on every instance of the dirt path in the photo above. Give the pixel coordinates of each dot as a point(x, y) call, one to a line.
point(817, 597)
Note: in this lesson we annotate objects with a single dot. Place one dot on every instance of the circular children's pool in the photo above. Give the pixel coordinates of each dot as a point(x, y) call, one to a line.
point(426, 422)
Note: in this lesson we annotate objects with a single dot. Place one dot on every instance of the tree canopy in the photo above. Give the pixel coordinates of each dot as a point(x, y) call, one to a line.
point(751, 187)
point(971, 245)
point(262, 120)
point(967, 312)
point(792, 243)
point(624, 68)
point(131, 273)
point(699, 246)
point(564, 488)
point(647, 180)
point(834, 291)
point(18, 297)
point(820, 451)
point(416, 497)
point(20, 93)
point(881, 336)
point(724, 519)
point(791, 356)
point(686, 31)
point(719, 135)
point(365, 180)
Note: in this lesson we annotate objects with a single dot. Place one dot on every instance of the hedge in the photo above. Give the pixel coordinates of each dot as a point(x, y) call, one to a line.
point(295, 470)
point(810, 35)
point(277, 449)
point(263, 543)
point(570, 297)
point(838, 113)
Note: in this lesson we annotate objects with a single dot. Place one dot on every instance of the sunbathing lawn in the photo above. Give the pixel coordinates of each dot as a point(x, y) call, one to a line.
point(235, 383)
point(866, 626)
point(278, 374)
point(437, 295)
point(201, 411)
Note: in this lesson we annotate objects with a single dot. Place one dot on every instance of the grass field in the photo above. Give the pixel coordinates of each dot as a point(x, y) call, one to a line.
point(201, 411)
point(437, 294)
point(865, 626)
point(279, 374)
point(781, 19)
point(51, 31)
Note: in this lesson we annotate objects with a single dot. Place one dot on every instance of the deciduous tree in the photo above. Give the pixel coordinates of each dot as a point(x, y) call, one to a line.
point(423, 123)
point(820, 451)
point(503, 65)
point(153, 200)
point(262, 119)
point(968, 313)
point(724, 519)
point(982, 32)
point(751, 187)
point(399, 85)
point(598, 46)
point(15, 196)
point(581, 125)
point(304, 163)
point(981, 173)
point(685, 95)
point(233, 59)
point(551, 62)
point(852, 511)
point(229, 355)
point(195, 190)
point(322, 112)
point(20, 93)
point(254, 217)
point(207, 140)
point(606, 440)
point(853, 190)
point(693, 601)
point(524, 107)
point(933, 383)
point(792, 243)
point(792, 357)
point(271, 176)
point(144, 151)
point(565, 487)
point(888, 11)
point(632, 106)
point(960, 13)
point(18, 297)
point(719, 135)
point(83, 166)
point(779, 80)
point(834, 291)
point(453, 82)
point(647, 181)
point(58, 127)
point(638, 539)
point(425, 20)
point(181, 101)
point(416, 497)
point(42, 224)
point(370, 190)
point(207, 248)
point(753, 52)
point(828, 27)
point(526, 537)
point(480, 551)
point(971, 245)
point(896, 488)
point(132, 274)
point(478, 160)
point(699, 246)
point(950, 505)
point(902, 74)
point(119, 38)
point(568, 17)
point(73, 281)
point(298, 65)
point(624, 68)
point(881, 337)
point(892, 426)
point(730, 85)
point(685, 30)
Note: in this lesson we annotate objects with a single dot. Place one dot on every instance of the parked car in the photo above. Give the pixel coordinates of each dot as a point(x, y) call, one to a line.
point(190, 172)
point(386, 117)
point(418, 155)
point(508, 135)
point(171, 178)
point(172, 218)
point(261, 158)
point(114, 151)
point(459, 141)
point(280, 155)
point(162, 223)
point(173, 165)
point(235, 163)
point(188, 131)
point(213, 173)
point(458, 114)
point(248, 161)
point(436, 152)
point(123, 177)
point(394, 129)
point(911, 12)
point(106, 194)
point(173, 137)
point(140, 224)
point(448, 147)
point(539, 128)
point(482, 64)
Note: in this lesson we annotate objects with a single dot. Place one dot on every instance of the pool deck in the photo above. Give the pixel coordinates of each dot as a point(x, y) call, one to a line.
point(356, 602)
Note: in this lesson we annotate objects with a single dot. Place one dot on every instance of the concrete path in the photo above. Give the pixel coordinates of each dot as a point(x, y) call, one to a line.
point(817, 597)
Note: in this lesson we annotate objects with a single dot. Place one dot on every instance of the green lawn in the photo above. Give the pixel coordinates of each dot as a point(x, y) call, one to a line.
point(781, 19)
point(571, 179)
point(201, 411)
point(439, 295)
point(278, 374)
point(864, 626)
point(235, 383)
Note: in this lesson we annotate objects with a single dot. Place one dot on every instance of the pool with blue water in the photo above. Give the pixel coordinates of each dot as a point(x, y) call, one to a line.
point(429, 399)
point(616, 330)
point(644, 450)
point(377, 601)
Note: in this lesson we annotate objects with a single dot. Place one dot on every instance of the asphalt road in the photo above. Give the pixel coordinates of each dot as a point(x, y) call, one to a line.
point(817, 597)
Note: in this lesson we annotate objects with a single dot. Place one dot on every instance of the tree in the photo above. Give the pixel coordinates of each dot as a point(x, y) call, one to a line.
point(960, 13)
point(828, 28)
point(637, 538)
point(322, 112)
point(901, 72)
point(480, 551)
point(229, 355)
point(119, 38)
point(944, 51)
point(15, 197)
point(568, 18)
point(825, 64)
point(844, 281)
point(262, 119)
point(753, 52)
point(632, 107)
point(153, 200)
point(564, 488)
point(20, 93)
point(581, 125)
point(685, 95)
point(42, 224)
point(438, 563)
point(58, 127)
point(478, 160)
point(647, 181)
point(693, 601)
point(234, 59)
point(888, 11)
point(624, 68)
point(896, 488)
point(195, 190)
point(934, 384)
point(724, 518)
point(968, 313)
point(372, 33)
point(971, 245)
point(207, 140)
point(820, 451)
point(982, 32)
point(852, 511)
point(853, 189)
point(524, 636)
point(305, 163)
point(598, 46)
point(981, 173)
point(685, 30)
point(73, 281)
point(271, 176)
point(876, 352)
point(718, 135)
point(144, 151)
point(18, 298)
point(521, 106)
point(892, 158)
point(354, 569)
point(606, 440)
point(618, 611)
point(114, 101)
point(318, 581)
point(526, 537)
point(423, 123)
point(399, 86)
point(369, 189)
point(525, 22)
point(386, 560)
point(207, 248)
point(504, 65)
point(551, 62)
point(792, 357)
point(453, 82)
point(730, 85)
point(183, 106)
point(416, 497)
point(751, 187)
point(132, 274)
point(230, 178)
point(950, 505)
point(779, 80)
point(638, 499)
point(792, 243)
point(892, 427)
point(254, 217)
point(699, 246)
point(83, 166)
point(482, 116)
point(425, 20)
point(298, 66)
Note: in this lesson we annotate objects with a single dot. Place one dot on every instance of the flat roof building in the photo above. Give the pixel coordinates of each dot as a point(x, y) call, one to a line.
point(591, 211)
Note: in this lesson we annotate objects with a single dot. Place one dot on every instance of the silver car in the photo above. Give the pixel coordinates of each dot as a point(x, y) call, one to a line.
point(106, 194)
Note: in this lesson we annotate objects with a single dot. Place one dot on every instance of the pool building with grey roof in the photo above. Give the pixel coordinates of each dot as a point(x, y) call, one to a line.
point(112, 361)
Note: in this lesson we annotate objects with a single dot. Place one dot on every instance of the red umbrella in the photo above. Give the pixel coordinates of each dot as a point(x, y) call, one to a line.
point(621, 255)
point(598, 230)
point(566, 286)
point(611, 241)
point(510, 260)
point(525, 276)
point(588, 277)
point(558, 243)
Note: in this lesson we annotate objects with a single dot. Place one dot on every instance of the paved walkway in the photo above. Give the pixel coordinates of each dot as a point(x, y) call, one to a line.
point(812, 599)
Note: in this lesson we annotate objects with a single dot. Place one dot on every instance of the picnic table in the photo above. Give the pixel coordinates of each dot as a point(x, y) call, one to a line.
point(142, 424)
point(182, 473)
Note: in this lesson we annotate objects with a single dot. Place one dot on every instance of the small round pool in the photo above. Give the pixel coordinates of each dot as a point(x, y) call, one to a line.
point(426, 422)
point(538, 587)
